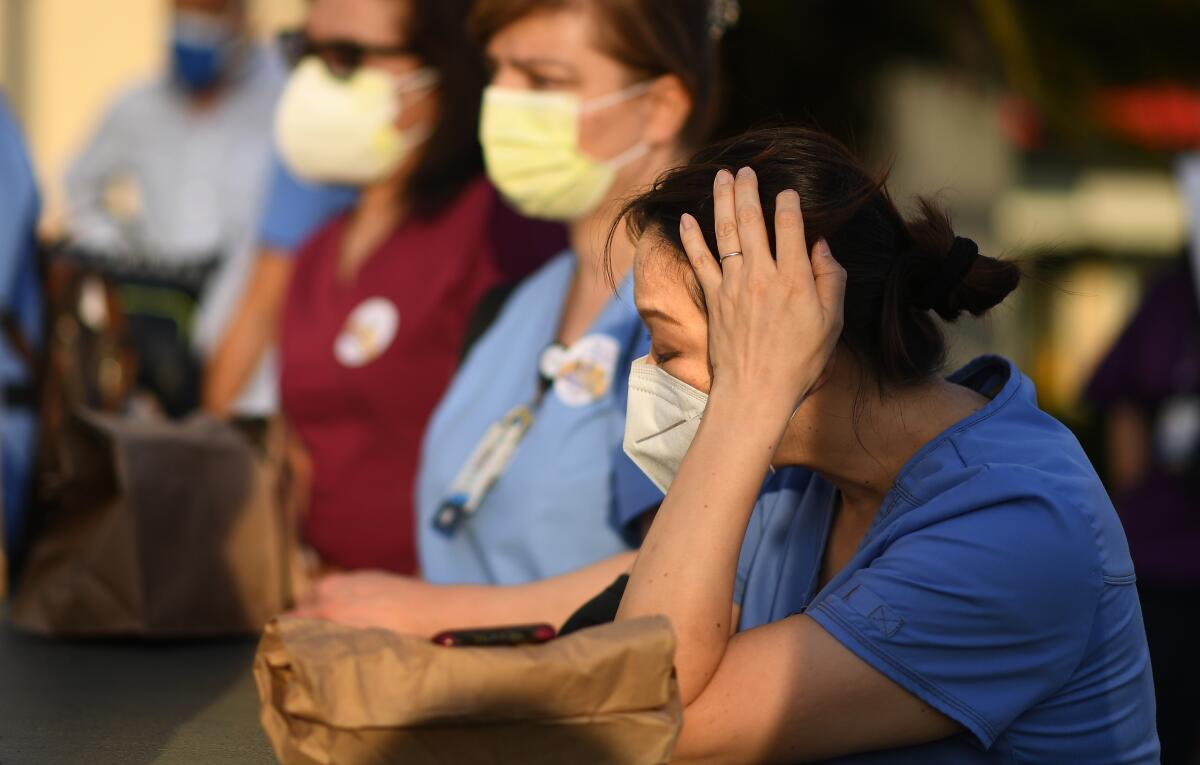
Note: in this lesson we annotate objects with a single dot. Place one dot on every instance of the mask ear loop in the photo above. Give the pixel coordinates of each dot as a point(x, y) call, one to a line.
point(612, 99)
point(638, 150)
point(424, 78)
point(422, 81)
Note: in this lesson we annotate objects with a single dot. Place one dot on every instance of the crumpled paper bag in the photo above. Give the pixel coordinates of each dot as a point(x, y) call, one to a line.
point(159, 529)
point(344, 696)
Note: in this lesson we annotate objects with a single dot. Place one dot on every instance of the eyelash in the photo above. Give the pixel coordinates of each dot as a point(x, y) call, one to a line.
point(547, 83)
point(664, 357)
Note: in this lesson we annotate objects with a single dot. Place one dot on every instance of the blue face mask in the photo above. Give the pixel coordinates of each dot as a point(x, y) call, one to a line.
point(201, 47)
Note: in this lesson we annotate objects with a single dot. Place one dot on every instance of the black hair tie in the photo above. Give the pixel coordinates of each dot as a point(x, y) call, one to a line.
point(954, 268)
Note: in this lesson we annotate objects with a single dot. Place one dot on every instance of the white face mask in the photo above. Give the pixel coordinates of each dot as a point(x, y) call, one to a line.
point(343, 131)
point(531, 148)
point(661, 421)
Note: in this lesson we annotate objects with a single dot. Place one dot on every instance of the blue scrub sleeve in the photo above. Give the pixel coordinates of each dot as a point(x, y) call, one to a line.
point(751, 542)
point(295, 210)
point(980, 615)
point(18, 207)
point(634, 495)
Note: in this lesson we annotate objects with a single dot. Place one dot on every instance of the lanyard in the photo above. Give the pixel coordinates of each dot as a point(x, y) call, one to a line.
point(495, 450)
point(492, 455)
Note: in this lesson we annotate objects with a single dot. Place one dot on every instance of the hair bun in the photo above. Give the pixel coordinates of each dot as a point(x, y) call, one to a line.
point(935, 294)
point(951, 275)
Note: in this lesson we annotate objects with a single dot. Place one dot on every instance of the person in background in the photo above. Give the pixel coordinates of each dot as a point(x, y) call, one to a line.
point(384, 97)
point(1148, 391)
point(20, 332)
point(526, 505)
point(171, 182)
point(294, 211)
point(933, 573)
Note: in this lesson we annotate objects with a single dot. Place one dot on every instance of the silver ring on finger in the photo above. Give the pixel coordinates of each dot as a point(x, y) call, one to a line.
point(728, 255)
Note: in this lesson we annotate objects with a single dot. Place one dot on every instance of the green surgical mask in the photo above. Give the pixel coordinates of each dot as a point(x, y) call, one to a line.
point(531, 148)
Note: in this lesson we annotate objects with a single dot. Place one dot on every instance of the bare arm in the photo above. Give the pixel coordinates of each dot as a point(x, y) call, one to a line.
point(407, 604)
point(789, 692)
point(251, 332)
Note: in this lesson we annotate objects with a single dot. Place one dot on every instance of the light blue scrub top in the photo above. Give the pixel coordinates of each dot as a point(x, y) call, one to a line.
point(570, 495)
point(21, 298)
point(296, 209)
point(995, 585)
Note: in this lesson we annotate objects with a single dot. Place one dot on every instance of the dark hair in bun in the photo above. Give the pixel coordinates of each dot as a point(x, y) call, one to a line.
point(900, 272)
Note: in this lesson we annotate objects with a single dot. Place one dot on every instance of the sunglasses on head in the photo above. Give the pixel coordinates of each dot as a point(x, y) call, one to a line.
point(343, 57)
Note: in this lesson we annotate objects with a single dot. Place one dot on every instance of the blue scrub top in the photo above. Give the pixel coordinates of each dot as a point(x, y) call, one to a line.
point(296, 209)
point(570, 495)
point(21, 298)
point(995, 585)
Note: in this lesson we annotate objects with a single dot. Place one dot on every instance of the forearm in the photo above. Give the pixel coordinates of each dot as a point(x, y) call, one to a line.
point(250, 333)
point(549, 601)
point(687, 564)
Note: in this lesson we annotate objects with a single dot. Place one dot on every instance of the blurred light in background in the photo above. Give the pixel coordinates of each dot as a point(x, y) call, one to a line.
point(63, 61)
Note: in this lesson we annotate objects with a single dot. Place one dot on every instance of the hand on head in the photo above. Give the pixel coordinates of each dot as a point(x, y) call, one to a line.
point(773, 322)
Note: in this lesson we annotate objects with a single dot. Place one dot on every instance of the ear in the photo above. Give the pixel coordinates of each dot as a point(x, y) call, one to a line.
point(670, 106)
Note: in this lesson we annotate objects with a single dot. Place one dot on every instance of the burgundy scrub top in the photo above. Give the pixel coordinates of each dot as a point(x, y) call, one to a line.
point(365, 361)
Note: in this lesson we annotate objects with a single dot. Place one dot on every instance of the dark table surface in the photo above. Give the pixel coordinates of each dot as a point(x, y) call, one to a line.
point(128, 702)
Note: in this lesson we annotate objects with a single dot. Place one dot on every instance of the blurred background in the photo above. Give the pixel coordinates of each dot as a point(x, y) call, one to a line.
point(1051, 129)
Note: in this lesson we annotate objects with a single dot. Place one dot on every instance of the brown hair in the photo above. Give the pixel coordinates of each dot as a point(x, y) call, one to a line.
point(891, 263)
point(451, 157)
point(650, 37)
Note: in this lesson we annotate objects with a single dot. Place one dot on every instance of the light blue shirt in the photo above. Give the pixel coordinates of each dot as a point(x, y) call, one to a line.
point(163, 182)
point(20, 298)
point(995, 585)
point(569, 495)
point(296, 209)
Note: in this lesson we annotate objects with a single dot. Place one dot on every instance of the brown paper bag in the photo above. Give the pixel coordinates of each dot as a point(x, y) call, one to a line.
point(337, 695)
point(159, 529)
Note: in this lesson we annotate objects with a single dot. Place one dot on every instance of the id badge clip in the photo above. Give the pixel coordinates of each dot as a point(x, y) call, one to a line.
point(483, 468)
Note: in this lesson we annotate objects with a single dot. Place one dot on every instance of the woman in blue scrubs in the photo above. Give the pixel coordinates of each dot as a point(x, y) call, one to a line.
point(934, 574)
point(522, 475)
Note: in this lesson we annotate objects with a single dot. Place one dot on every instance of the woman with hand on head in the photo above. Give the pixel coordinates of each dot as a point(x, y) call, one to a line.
point(590, 100)
point(934, 574)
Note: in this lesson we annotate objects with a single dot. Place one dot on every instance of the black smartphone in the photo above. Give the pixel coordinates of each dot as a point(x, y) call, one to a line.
point(524, 634)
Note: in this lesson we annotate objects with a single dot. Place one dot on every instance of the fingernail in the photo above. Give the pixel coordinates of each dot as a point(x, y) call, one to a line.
point(745, 173)
point(724, 178)
point(821, 249)
point(687, 222)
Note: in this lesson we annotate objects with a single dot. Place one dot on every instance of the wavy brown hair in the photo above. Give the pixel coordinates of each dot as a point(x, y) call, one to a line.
point(451, 157)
